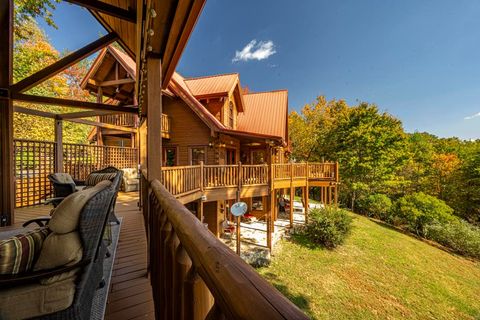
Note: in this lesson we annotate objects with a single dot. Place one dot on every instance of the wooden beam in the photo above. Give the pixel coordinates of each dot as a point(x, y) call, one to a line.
point(72, 103)
point(58, 146)
point(108, 9)
point(34, 112)
point(110, 83)
point(7, 171)
point(102, 125)
point(86, 114)
point(154, 118)
point(63, 63)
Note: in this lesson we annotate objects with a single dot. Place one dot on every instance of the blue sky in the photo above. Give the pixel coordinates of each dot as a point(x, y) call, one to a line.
point(418, 60)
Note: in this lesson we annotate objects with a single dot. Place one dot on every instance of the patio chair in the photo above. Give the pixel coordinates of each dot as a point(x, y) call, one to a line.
point(63, 186)
point(66, 291)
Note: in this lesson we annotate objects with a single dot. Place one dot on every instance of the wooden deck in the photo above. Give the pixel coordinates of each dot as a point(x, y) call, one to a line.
point(130, 295)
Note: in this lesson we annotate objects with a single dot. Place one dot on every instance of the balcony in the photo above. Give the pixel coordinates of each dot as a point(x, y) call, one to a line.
point(131, 120)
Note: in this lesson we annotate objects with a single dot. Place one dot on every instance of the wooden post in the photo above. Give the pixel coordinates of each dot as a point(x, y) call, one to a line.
point(307, 202)
point(202, 176)
point(99, 130)
point(154, 118)
point(200, 210)
point(238, 235)
point(59, 146)
point(270, 216)
point(239, 188)
point(7, 184)
point(292, 195)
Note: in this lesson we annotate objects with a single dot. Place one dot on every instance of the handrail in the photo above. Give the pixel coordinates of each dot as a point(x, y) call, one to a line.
point(188, 263)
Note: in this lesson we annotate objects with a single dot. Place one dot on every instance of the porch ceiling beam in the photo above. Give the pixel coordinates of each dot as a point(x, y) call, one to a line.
point(108, 9)
point(72, 103)
point(63, 63)
point(85, 114)
point(103, 125)
point(34, 112)
point(110, 82)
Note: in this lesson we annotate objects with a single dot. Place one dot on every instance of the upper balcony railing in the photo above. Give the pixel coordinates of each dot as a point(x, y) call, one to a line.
point(130, 120)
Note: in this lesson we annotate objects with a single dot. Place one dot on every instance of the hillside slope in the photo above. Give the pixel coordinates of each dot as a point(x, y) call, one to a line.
point(378, 273)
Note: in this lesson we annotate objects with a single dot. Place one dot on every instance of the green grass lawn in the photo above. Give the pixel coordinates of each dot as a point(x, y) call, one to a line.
point(378, 273)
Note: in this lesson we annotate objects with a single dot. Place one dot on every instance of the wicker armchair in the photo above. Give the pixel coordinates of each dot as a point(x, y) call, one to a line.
point(92, 223)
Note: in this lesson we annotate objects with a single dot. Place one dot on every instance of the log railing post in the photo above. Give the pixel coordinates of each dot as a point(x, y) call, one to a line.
point(202, 176)
point(292, 195)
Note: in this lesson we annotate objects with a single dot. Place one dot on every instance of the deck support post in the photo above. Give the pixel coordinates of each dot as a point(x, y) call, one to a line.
point(306, 192)
point(59, 146)
point(7, 187)
point(270, 221)
point(292, 195)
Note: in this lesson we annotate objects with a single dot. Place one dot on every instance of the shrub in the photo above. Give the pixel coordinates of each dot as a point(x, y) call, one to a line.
point(460, 236)
point(416, 211)
point(376, 205)
point(328, 227)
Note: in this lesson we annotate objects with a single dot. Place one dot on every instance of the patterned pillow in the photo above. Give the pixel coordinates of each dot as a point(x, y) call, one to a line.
point(18, 254)
point(95, 178)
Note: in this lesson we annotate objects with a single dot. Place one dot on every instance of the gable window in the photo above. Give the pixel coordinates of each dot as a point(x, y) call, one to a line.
point(230, 114)
point(197, 154)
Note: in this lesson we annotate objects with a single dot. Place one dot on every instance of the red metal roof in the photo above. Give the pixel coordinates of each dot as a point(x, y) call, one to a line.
point(212, 85)
point(266, 113)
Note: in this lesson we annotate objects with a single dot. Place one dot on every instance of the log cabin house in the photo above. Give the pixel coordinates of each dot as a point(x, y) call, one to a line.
point(206, 120)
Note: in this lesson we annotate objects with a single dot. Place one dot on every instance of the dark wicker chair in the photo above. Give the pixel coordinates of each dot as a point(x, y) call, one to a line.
point(93, 220)
point(62, 189)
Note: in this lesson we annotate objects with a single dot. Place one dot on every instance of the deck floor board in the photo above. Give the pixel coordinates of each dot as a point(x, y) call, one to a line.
point(130, 295)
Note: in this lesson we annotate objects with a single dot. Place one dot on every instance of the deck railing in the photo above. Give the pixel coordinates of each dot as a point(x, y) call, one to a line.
point(181, 180)
point(130, 120)
point(35, 160)
point(195, 276)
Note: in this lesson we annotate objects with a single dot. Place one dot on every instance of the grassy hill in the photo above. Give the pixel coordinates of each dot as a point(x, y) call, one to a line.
point(378, 273)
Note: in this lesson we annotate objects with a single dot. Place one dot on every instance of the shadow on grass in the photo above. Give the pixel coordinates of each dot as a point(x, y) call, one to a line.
point(298, 299)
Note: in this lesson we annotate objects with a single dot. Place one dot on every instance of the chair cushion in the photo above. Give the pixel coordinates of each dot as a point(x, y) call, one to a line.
point(94, 178)
point(18, 254)
point(66, 215)
point(130, 173)
point(133, 181)
point(35, 300)
point(59, 250)
point(63, 178)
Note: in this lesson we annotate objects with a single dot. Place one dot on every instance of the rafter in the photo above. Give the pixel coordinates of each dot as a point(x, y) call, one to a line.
point(108, 9)
point(34, 112)
point(110, 82)
point(63, 63)
point(72, 103)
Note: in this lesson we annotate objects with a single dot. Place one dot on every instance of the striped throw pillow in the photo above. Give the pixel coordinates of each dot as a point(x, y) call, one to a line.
point(18, 254)
point(95, 178)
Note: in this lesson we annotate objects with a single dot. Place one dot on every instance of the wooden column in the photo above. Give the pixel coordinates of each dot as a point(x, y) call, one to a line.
point(292, 195)
point(7, 184)
point(307, 201)
point(59, 146)
point(99, 130)
point(270, 220)
point(154, 118)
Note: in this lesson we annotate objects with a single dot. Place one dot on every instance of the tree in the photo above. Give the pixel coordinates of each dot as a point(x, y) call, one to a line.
point(28, 10)
point(31, 55)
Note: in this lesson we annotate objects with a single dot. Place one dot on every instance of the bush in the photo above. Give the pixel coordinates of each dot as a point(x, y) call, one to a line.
point(460, 236)
point(376, 205)
point(414, 212)
point(328, 227)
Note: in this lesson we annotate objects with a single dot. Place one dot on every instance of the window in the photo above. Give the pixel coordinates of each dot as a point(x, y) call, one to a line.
point(258, 157)
point(230, 114)
point(257, 204)
point(197, 154)
point(170, 156)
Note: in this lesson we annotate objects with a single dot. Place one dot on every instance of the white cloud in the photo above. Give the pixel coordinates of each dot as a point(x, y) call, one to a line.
point(473, 116)
point(255, 51)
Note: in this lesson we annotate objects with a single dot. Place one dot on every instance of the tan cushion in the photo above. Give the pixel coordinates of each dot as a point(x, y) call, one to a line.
point(59, 250)
point(35, 300)
point(18, 253)
point(65, 217)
